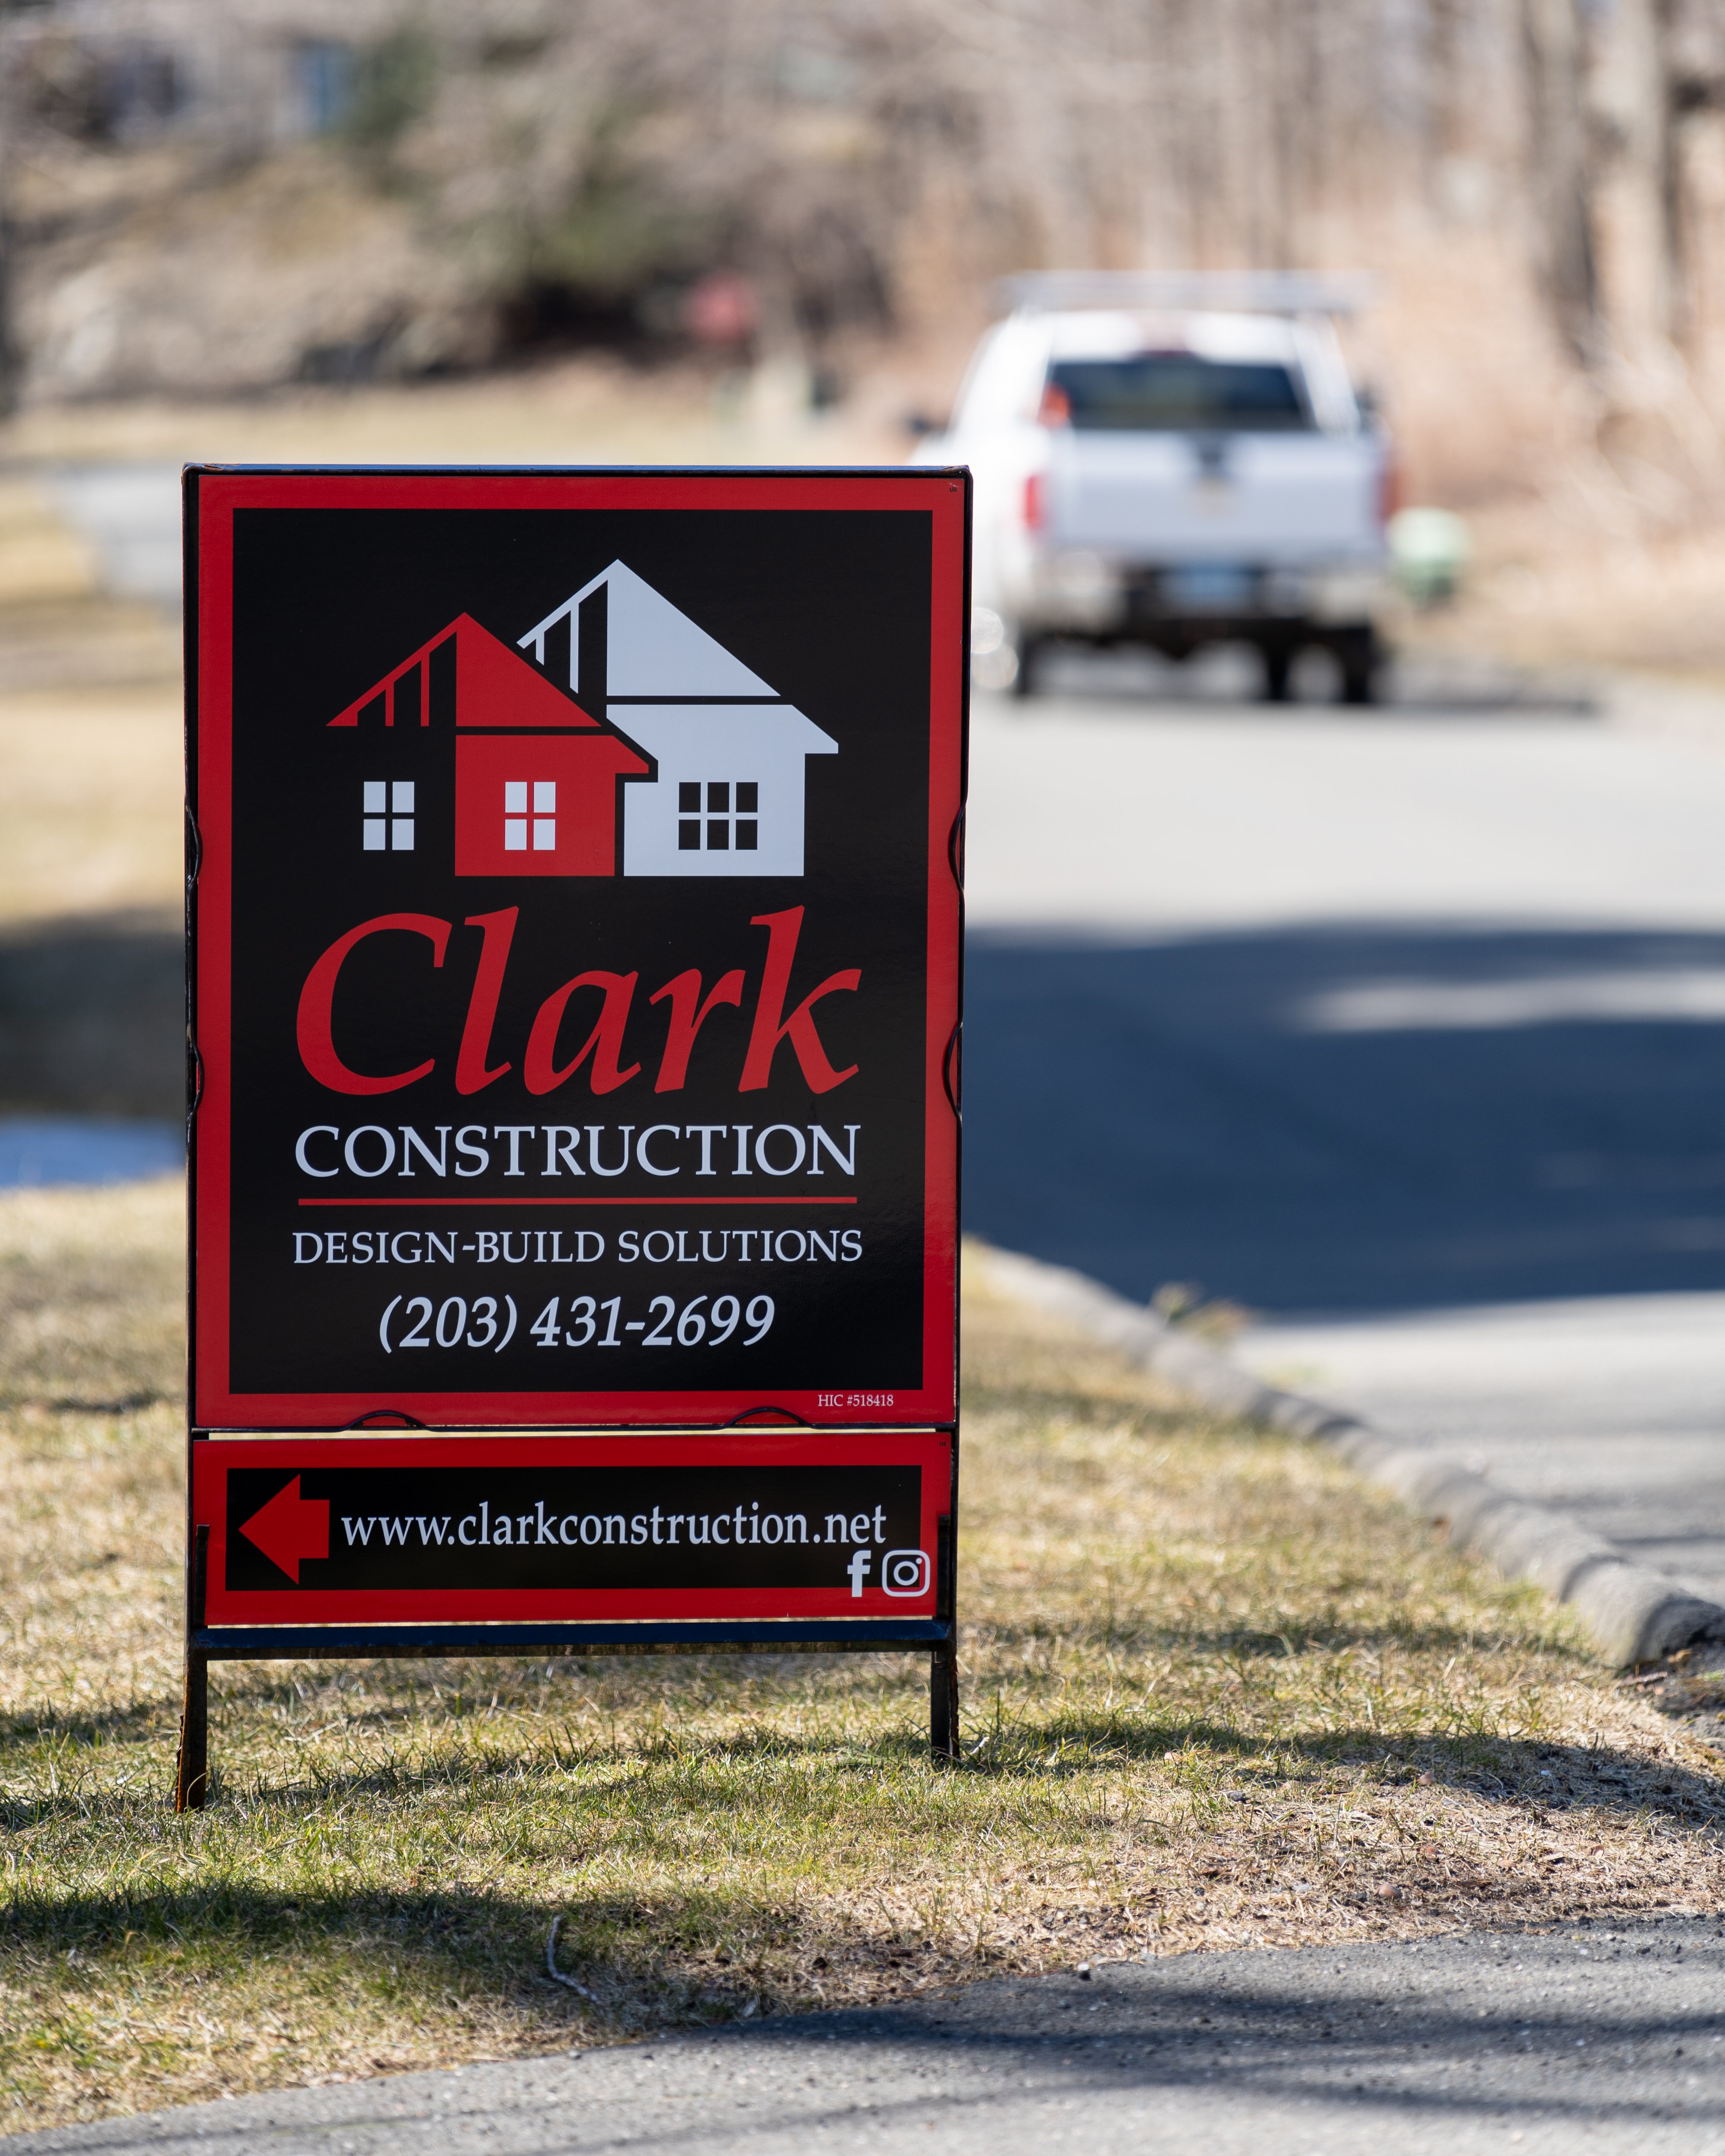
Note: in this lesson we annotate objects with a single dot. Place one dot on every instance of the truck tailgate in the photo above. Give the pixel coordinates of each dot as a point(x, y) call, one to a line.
point(1265, 499)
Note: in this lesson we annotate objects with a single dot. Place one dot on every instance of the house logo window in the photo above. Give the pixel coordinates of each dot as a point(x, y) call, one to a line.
point(515, 820)
point(703, 716)
point(641, 778)
point(389, 816)
point(722, 831)
point(536, 777)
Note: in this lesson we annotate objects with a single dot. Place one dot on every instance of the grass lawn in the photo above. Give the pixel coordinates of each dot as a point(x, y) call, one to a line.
point(1215, 1693)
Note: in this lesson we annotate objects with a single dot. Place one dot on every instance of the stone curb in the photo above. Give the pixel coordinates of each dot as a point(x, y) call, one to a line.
point(1634, 1613)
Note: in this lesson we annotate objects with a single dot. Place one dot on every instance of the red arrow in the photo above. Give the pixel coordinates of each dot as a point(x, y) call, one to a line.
point(290, 1527)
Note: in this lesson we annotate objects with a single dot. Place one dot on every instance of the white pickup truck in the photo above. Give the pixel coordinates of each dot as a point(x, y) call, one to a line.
point(1173, 476)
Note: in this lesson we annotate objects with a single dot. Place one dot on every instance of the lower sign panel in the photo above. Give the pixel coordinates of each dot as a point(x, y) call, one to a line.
point(399, 1530)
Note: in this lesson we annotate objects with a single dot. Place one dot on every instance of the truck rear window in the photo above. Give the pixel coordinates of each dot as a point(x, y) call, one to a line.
point(1164, 392)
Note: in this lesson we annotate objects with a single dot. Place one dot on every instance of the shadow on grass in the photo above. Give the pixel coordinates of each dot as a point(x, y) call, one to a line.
point(695, 1957)
point(1205, 1755)
point(1250, 1642)
point(1518, 1770)
point(92, 1013)
point(136, 1722)
point(121, 1404)
point(1091, 1407)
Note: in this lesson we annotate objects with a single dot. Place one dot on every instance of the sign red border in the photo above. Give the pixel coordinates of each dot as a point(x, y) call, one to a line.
point(212, 495)
point(214, 1459)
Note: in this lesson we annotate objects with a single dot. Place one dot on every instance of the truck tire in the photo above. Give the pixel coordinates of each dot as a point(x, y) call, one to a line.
point(1359, 658)
point(1029, 649)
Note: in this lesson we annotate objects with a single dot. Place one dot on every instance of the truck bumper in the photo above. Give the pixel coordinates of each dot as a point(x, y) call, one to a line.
point(1083, 596)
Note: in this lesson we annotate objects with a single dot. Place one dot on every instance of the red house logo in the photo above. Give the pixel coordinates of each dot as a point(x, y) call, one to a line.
point(536, 776)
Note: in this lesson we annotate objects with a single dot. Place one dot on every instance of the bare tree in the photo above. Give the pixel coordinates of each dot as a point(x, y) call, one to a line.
point(1644, 280)
point(1558, 173)
point(8, 343)
point(575, 146)
point(10, 368)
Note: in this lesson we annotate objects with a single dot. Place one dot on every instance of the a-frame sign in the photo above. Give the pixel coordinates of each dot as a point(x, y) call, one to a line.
point(575, 928)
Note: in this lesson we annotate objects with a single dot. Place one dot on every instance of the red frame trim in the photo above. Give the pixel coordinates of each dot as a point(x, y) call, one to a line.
point(214, 1459)
point(944, 496)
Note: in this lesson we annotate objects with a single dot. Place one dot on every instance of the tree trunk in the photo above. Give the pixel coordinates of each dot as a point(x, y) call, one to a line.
point(1644, 283)
point(10, 367)
point(8, 350)
point(1559, 181)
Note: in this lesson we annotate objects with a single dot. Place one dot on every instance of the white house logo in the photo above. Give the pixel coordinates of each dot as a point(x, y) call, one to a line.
point(708, 757)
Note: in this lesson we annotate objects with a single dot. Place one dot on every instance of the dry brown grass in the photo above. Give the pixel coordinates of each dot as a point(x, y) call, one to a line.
point(41, 562)
point(90, 787)
point(58, 631)
point(92, 1299)
point(570, 410)
point(90, 764)
point(1215, 1693)
point(1550, 589)
point(91, 854)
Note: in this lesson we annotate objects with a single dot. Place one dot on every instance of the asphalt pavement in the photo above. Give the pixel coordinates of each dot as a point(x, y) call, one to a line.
point(1601, 2037)
point(1403, 1028)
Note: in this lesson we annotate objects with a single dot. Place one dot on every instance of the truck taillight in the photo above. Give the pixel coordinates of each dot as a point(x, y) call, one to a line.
point(1390, 487)
point(1035, 508)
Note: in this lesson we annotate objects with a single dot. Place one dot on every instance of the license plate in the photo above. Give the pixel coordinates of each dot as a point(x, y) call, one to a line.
point(1207, 590)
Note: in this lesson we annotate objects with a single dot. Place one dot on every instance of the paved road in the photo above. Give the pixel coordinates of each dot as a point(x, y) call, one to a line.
point(1406, 1029)
point(1608, 2039)
point(1608, 1406)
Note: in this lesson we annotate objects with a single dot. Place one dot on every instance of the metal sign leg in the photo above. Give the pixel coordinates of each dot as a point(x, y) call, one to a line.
point(192, 1774)
point(192, 1778)
point(943, 1701)
point(943, 1660)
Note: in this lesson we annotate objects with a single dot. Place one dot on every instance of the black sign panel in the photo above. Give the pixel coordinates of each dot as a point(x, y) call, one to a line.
point(342, 1528)
point(750, 1523)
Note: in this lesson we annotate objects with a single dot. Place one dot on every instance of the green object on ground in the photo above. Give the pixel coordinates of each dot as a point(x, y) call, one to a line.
point(1429, 549)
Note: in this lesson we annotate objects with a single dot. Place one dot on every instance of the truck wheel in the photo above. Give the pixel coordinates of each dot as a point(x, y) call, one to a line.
point(1276, 675)
point(1029, 654)
point(1360, 656)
